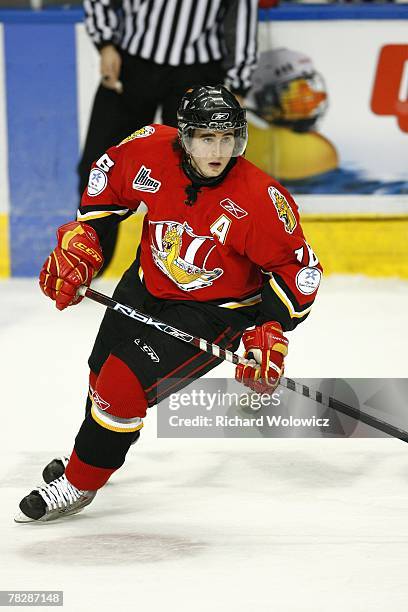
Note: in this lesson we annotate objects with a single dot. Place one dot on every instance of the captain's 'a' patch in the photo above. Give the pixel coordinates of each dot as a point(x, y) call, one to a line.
point(285, 213)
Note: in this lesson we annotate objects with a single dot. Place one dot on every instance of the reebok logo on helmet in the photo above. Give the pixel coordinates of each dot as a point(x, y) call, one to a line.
point(219, 116)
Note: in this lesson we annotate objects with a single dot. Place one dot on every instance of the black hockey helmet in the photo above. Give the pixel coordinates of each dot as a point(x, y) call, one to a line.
point(213, 108)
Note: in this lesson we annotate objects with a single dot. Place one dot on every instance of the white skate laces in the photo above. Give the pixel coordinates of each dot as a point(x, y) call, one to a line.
point(59, 493)
point(52, 501)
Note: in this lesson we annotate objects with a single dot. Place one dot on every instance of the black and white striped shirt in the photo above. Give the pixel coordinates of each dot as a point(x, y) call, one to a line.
point(179, 32)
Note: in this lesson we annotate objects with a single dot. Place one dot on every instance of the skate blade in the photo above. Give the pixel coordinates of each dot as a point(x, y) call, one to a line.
point(54, 516)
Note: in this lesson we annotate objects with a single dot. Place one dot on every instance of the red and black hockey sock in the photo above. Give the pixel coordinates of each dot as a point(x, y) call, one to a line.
point(109, 428)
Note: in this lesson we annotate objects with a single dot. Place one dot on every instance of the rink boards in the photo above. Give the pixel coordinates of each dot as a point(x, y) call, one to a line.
point(48, 75)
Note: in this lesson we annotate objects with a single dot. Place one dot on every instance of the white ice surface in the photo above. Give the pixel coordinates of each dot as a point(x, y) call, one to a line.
point(202, 525)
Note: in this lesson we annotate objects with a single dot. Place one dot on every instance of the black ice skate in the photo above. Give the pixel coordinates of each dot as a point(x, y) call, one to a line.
point(55, 469)
point(53, 501)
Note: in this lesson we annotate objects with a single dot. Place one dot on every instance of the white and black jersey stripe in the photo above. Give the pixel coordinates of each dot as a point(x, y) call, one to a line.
point(180, 32)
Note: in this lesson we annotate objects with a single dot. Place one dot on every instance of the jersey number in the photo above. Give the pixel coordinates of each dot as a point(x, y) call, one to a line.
point(105, 163)
point(309, 259)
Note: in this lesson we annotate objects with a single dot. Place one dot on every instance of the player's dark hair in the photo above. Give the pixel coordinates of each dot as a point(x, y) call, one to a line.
point(176, 145)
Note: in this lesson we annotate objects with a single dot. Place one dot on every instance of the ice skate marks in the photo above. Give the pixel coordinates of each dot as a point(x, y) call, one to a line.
point(182, 255)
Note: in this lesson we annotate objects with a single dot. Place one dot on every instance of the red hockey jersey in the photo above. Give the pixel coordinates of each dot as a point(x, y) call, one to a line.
point(240, 242)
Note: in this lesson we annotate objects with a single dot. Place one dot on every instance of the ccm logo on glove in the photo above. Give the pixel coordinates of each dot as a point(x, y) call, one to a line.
point(71, 264)
point(85, 249)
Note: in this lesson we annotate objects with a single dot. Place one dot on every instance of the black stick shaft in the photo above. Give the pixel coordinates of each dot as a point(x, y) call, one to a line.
point(217, 351)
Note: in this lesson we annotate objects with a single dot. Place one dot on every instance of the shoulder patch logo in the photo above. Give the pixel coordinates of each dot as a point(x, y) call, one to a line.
point(144, 182)
point(308, 280)
point(97, 182)
point(235, 210)
point(285, 213)
point(144, 132)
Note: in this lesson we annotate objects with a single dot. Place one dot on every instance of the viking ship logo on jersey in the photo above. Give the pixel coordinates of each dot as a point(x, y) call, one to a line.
point(182, 255)
point(285, 213)
point(235, 210)
point(144, 182)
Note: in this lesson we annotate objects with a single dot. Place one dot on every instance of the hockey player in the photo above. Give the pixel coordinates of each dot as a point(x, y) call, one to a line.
point(221, 251)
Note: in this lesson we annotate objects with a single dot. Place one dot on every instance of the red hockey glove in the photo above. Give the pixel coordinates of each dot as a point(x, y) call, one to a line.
point(267, 347)
point(72, 263)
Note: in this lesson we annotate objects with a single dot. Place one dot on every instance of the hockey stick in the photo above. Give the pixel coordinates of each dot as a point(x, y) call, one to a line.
point(217, 351)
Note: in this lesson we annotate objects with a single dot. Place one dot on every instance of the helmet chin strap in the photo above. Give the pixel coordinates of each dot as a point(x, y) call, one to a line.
point(199, 180)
